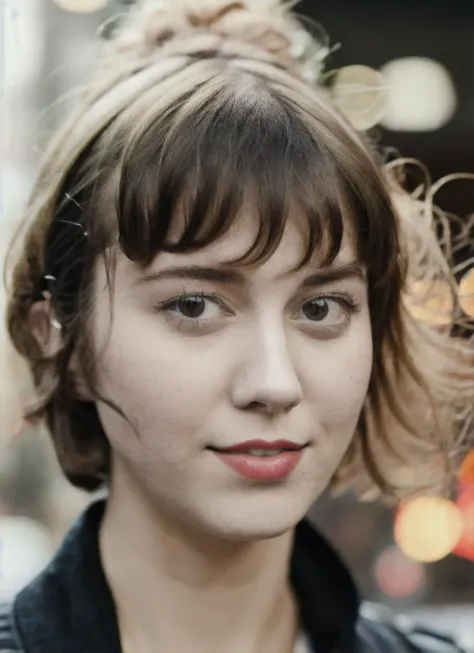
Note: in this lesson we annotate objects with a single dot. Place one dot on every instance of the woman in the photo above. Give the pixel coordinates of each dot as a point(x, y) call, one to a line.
point(210, 298)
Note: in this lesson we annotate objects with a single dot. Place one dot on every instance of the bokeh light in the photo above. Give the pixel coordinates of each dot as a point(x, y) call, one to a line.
point(421, 95)
point(466, 293)
point(360, 93)
point(431, 302)
point(82, 6)
point(427, 529)
point(466, 472)
point(465, 503)
point(397, 575)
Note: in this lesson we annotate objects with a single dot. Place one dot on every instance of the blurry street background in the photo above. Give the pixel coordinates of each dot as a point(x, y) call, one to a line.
point(425, 50)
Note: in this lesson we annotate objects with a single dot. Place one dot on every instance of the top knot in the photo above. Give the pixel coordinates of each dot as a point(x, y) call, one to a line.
point(263, 28)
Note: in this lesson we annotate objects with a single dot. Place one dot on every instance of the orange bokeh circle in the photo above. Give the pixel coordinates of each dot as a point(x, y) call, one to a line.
point(466, 293)
point(431, 302)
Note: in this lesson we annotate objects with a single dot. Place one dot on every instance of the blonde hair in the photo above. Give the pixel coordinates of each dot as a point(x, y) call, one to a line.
point(203, 105)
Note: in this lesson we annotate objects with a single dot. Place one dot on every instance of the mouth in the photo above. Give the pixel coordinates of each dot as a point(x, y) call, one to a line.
point(260, 448)
point(260, 460)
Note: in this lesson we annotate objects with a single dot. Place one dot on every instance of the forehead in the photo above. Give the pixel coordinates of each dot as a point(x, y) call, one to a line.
point(236, 242)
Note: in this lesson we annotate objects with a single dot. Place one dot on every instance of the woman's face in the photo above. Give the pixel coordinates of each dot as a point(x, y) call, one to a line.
point(201, 355)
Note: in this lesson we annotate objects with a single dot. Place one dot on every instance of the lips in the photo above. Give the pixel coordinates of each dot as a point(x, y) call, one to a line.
point(261, 460)
point(260, 446)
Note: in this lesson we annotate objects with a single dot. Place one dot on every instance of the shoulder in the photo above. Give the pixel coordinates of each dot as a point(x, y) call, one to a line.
point(8, 640)
point(381, 630)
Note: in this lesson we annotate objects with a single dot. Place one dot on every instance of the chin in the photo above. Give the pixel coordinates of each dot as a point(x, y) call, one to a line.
point(251, 531)
point(253, 519)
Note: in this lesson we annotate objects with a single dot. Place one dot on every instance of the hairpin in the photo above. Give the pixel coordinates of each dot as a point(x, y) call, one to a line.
point(74, 224)
point(71, 199)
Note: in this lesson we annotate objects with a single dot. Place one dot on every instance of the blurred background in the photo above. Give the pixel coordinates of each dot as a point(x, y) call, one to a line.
point(417, 559)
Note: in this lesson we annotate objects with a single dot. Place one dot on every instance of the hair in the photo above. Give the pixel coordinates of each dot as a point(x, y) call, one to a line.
point(200, 108)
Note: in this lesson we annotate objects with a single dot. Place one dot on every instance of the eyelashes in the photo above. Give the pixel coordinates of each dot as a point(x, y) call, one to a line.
point(326, 316)
point(190, 311)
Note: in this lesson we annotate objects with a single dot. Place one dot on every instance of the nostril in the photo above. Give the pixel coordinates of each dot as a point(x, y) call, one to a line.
point(256, 405)
point(270, 407)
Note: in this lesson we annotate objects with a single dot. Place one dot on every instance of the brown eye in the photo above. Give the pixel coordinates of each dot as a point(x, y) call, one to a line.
point(191, 307)
point(329, 311)
point(316, 310)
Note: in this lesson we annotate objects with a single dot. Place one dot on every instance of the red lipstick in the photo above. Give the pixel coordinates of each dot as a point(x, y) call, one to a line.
point(260, 459)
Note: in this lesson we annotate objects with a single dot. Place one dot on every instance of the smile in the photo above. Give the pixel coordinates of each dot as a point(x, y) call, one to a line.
point(258, 460)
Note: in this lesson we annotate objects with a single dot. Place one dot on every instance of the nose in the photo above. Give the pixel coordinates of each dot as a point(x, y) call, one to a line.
point(267, 380)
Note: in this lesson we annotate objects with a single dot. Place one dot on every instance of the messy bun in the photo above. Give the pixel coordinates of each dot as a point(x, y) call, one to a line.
point(237, 78)
point(264, 29)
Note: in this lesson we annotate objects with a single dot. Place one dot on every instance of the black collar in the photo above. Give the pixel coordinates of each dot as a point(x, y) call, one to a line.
point(69, 607)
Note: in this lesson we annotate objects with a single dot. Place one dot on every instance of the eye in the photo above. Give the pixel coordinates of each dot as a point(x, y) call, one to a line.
point(194, 307)
point(316, 309)
point(329, 311)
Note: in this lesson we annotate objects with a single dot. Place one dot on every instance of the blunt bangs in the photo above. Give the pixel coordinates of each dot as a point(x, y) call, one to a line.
point(185, 177)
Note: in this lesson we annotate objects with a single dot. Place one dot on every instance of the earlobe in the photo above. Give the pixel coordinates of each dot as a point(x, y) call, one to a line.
point(44, 326)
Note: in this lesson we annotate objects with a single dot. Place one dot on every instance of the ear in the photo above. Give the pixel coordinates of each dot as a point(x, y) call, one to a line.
point(47, 332)
point(45, 327)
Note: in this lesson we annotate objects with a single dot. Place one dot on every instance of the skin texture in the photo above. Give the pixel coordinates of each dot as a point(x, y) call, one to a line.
point(196, 538)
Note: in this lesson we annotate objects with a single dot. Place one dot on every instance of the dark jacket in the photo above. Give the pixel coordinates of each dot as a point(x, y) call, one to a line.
point(68, 608)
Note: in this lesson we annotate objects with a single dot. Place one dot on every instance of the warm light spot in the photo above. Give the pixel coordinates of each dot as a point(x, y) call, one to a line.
point(465, 502)
point(397, 575)
point(466, 473)
point(360, 93)
point(421, 95)
point(431, 302)
point(82, 6)
point(428, 528)
point(466, 293)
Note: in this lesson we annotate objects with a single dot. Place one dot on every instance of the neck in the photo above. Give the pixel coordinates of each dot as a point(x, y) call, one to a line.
point(179, 589)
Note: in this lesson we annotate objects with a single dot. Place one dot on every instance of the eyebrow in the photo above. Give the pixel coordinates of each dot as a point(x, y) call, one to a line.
point(351, 270)
point(216, 275)
point(226, 276)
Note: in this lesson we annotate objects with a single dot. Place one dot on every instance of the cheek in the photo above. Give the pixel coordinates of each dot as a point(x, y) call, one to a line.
point(339, 380)
point(168, 387)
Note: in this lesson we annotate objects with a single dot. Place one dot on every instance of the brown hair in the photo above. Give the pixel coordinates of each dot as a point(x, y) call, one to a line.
point(205, 106)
